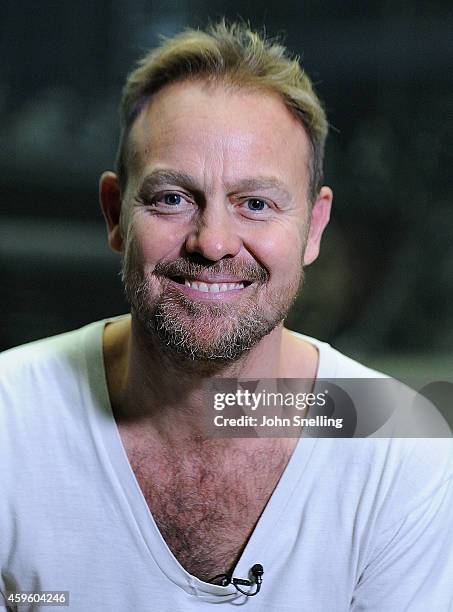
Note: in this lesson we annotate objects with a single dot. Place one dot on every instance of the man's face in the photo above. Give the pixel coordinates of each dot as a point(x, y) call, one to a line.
point(217, 218)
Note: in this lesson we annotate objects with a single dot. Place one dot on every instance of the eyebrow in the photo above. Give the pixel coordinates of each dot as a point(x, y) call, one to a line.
point(262, 183)
point(160, 177)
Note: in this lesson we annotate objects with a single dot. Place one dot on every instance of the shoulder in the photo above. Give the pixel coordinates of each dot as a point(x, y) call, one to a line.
point(418, 465)
point(383, 480)
point(44, 387)
point(372, 402)
point(399, 439)
point(334, 364)
point(39, 355)
point(64, 347)
point(350, 368)
point(34, 373)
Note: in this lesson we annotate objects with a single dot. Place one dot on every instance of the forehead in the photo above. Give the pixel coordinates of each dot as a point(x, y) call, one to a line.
point(206, 128)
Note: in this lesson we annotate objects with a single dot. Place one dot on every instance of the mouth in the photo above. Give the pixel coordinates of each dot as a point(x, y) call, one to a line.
point(213, 287)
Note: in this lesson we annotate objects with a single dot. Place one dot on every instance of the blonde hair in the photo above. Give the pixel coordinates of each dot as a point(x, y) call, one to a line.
point(236, 56)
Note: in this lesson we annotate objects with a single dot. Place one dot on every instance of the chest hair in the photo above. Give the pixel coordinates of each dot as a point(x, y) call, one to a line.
point(206, 501)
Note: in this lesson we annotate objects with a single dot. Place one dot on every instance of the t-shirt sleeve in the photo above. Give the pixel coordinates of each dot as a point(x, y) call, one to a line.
point(412, 568)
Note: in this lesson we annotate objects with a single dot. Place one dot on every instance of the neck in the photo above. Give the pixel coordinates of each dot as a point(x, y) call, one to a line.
point(148, 383)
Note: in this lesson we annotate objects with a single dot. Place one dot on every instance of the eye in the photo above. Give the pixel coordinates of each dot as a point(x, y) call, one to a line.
point(170, 200)
point(173, 199)
point(255, 204)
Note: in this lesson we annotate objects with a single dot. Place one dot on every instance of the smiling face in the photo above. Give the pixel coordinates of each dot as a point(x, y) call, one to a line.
point(216, 219)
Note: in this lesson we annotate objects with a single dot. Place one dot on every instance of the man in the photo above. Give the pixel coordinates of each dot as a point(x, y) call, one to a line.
point(113, 491)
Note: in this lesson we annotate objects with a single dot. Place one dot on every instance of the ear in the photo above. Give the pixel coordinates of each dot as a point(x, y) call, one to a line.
point(110, 200)
point(320, 216)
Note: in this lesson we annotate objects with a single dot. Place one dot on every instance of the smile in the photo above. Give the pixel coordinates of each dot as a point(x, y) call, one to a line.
point(210, 288)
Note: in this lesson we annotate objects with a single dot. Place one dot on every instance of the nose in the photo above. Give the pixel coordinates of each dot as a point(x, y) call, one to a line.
point(215, 233)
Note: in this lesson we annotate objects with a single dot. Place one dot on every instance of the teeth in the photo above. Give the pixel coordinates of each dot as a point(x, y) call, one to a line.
point(212, 287)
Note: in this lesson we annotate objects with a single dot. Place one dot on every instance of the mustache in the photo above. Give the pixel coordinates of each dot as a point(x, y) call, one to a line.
point(184, 267)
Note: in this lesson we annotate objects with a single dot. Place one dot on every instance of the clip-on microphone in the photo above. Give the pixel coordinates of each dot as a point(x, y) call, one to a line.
point(257, 572)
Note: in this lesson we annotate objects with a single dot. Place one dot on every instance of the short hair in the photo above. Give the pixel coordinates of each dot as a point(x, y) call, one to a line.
point(239, 57)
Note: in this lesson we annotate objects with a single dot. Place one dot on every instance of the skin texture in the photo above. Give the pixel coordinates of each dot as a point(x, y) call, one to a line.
point(222, 140)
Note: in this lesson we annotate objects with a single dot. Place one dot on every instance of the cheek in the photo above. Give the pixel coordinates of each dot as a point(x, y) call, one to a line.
point(279, 248)
point(158, 240)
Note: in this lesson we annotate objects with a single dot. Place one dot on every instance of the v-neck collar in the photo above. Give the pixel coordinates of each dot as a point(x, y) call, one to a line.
point(111, 449)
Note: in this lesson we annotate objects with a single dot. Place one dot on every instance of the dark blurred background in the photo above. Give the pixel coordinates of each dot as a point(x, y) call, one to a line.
point(382, 289)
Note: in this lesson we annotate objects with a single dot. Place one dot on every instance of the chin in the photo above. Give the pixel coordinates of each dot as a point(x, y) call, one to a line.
point(196, 331)
point(210, 334)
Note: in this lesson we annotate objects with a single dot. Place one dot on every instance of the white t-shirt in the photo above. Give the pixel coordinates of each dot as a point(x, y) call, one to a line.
point(353, 524)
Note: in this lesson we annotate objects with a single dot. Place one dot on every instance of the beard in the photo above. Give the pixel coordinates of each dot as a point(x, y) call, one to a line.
point(198, 331)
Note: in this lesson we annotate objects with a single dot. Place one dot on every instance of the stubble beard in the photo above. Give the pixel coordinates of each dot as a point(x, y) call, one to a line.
point(201, 332)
